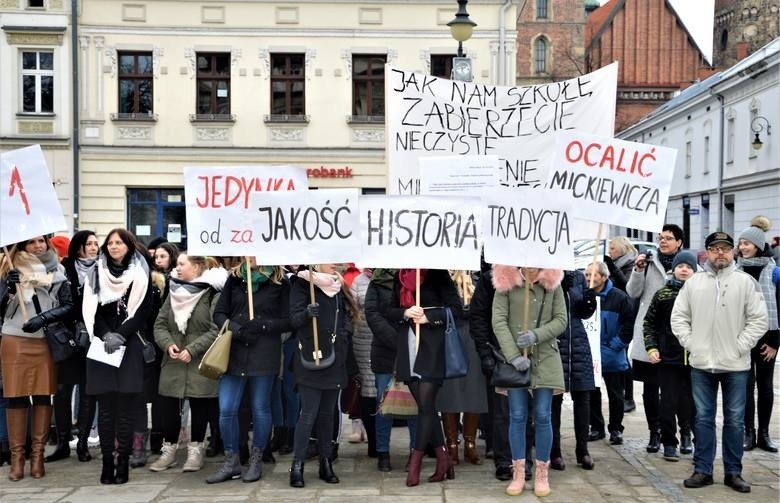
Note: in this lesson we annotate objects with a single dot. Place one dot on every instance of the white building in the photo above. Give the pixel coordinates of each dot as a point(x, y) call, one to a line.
point(720, 180)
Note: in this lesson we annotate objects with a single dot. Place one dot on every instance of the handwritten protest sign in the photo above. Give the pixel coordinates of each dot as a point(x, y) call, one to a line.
point(458, 174)
point(593, 329)
point(613, 181)
point(431, 116)
point(437, 232)
point(528, 227)
point(220, 218)
point(28, 203)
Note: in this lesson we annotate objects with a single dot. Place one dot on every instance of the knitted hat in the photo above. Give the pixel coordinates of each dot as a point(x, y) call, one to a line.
point(756, 233)
point(684, 257)
point(60, 245)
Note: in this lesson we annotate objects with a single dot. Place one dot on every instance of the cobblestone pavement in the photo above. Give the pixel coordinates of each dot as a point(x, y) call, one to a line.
point(623, 473)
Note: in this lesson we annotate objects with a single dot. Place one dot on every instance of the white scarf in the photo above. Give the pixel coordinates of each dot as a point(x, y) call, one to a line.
point(185, 295)
point(329, 284)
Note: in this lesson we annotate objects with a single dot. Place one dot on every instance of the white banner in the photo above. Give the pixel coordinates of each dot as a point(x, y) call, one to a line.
point(432, 116)
point(528, 227)
point(220, 219)
point(427, 232)
point(28, 203)
point(458, 174)
point(593, 328)
point(613, 181)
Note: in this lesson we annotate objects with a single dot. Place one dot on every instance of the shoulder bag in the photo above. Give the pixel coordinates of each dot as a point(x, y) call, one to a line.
point(397, 401)
point(505, 375)
point(62, 344)
point(328, 360)
point(456, 361)
point(215, 361)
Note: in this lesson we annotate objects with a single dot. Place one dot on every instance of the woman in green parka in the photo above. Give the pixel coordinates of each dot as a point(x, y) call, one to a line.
point(547, 320)
point(184, 330)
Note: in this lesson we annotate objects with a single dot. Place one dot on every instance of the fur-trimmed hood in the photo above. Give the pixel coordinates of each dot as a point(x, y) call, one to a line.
point(506, 277)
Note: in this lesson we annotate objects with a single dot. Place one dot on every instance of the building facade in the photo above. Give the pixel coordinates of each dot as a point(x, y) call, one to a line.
point(168, 84)
point(741, 27)
point(35, 87)
point(721, 180)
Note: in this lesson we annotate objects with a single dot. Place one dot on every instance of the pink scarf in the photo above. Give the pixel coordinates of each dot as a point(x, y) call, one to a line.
point(408, 280)
point(330, 284)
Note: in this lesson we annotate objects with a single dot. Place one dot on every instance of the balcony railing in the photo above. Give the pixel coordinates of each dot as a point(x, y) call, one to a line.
point(212, 117)
point(365, 119)
point(284, 118)
point(124, 116)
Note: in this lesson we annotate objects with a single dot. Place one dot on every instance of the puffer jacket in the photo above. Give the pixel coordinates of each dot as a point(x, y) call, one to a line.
point(362, 338)
point(573, 342)
point(658, 330)
point(617, 317)
point(719, 316)
point(547, 295)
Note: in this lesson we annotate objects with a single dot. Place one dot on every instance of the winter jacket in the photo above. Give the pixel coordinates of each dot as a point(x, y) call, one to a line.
point(379, 298)
point(56, 304)
point(719, 316)
point(481, 315)
point(334, 331)
point(573, 342)
point(257, 345)
point(617, 317)
point(642, 285)
point(362, 338)
point(658, 328)
point(437, 292)
point(508, 305)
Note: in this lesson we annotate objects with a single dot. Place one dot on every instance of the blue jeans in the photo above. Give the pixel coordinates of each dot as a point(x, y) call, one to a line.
point(705, 394)
point(3, 424)
point(231, 388)
point(518, 415)
point(384, 425)
point(292, 405)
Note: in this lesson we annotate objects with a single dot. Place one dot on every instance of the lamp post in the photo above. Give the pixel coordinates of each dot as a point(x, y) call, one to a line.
point(461, 29)
point(757, 127)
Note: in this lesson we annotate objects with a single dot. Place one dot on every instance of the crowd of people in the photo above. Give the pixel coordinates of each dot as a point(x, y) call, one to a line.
point(304, 339)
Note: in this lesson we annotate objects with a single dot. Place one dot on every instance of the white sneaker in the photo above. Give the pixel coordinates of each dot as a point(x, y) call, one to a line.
point(194, 457)
point(167, 459)
point(73, 443)
point(94, 439)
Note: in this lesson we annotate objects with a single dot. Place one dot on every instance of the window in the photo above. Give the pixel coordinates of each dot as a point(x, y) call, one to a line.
point(287, 84)
point(541, 9)
point(441, 65)
point(730, 140)
point(706, 155)
point(135, 83)
point(37, 82)
point(540, 55)
point(35, 4)
point(368, 85)
point(688, 159)
point(213, 84)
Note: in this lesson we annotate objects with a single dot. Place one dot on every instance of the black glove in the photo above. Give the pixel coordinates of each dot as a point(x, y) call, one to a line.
point(13, 277)
point(488, 364)
point(34, 324)
point(113, 341)
point(589, 295)
point(313, 310)
point(568, 279)
point(256, 325)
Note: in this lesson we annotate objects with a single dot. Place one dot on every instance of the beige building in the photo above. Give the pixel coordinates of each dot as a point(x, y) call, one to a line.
point(35, 87)
point(167, 84)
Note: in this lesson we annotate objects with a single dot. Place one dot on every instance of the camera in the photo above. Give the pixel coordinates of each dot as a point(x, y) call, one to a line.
point(649, 255)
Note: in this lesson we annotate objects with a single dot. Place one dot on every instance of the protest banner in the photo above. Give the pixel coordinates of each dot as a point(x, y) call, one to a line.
point(458, 174)
point(220, 219)
point(428, 232)
point(528, 227)
point(432, 116)
point(28, 202)
point(593, 329)
point(613, 181)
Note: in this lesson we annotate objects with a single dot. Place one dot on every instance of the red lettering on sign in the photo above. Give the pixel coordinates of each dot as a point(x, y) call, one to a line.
point(323, 172)
point(16, 181)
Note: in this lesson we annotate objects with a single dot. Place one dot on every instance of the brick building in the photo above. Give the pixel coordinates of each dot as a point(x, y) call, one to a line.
point(550, 41)
point(741, 27)
point(657, 54)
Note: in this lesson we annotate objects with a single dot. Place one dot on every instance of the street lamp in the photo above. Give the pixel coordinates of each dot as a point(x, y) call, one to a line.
point(461, 29)
point(757, 127)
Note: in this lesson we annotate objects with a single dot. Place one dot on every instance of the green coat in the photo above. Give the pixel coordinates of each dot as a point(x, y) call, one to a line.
point(546, 368)
point(179, 379)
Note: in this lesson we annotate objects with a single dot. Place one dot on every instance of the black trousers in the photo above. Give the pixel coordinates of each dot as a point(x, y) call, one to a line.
point(317, 407)
point(676, 401)
point(367, 415)
point(614, 383)
point(502, 455)
point(581, 401)
point(760, 376)
point(202, 411)
point(115, 422)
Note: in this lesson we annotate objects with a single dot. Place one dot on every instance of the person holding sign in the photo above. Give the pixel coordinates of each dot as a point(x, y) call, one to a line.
point(528, 339)
point(321, 313)
point(255, 299)
point(116, 305)
point(34, 293)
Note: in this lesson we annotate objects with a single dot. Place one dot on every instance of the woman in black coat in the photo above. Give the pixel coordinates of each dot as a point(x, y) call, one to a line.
point(577, 369)
point(319, 382)
point(423, 369)
point(115, 306)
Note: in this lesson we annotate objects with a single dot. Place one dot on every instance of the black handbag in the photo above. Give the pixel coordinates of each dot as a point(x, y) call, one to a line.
point(150, 355)
point(62, 344)
point(456, 361)
point(505, 375)
point(326, 361)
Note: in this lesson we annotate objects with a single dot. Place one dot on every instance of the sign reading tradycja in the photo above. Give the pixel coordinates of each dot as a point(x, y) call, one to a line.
point(432, 116)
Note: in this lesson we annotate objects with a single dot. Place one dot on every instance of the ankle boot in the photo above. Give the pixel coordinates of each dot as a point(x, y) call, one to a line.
point(450, 423)
point(107, 475)
point(326, 471)
point(63, 448)
point(82, 448)
point(255, 469)
point(415, 465)
point(515, 488)
point(17, 436)
point(654, 444)
point(230, 469)
point(470, 423)
point(541, 482)
point(286, 445)
point(765, 441)
point(296, 474)
point(122, 469)
point(40, 430)
point(749, 442)
point(215, 447)
point(444, 466)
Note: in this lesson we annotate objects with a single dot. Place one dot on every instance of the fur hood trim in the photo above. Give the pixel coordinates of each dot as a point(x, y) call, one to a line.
point(506, 277)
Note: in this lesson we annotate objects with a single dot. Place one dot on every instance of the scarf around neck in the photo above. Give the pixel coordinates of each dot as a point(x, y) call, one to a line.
point(83, 267)
point(185, 295)
point(330, 284)
point(407, 278)
point(384, 277)
point(259, 275)
point(37, 271)
point(767, 265)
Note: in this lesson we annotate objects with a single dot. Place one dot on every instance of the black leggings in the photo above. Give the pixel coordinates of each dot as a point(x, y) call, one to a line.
point(760, 376)
point(317, 406)
point(202, 410)
point(115, 421)
point(428, 423)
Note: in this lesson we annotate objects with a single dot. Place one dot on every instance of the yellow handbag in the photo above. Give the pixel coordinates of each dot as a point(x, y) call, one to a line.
point(215, 361)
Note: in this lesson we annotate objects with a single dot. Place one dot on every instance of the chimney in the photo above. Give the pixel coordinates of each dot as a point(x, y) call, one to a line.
point(742, 50)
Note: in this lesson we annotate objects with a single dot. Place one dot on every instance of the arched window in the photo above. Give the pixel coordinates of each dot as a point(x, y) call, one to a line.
point(540, 55)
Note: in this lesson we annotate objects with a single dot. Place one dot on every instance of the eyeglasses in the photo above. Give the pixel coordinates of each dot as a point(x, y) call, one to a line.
point(667, 238)
point(720, 249)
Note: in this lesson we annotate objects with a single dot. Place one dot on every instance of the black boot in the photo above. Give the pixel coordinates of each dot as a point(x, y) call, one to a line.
point(296, 474)
point(5, 451)
point(243, 454)
point(278, 438)
point(286, 447)
point(326, 471)
point(215, 447)
point(654, 444)
point(63, 449)
point(268, 456)
point(107, 475)
point(334, 454)
point(686, 445)
point(122, 469)
point(764, 441)
point(749, 441)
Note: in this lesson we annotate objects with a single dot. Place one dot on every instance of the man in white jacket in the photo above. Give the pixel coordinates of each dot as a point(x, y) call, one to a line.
point(718, 317)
